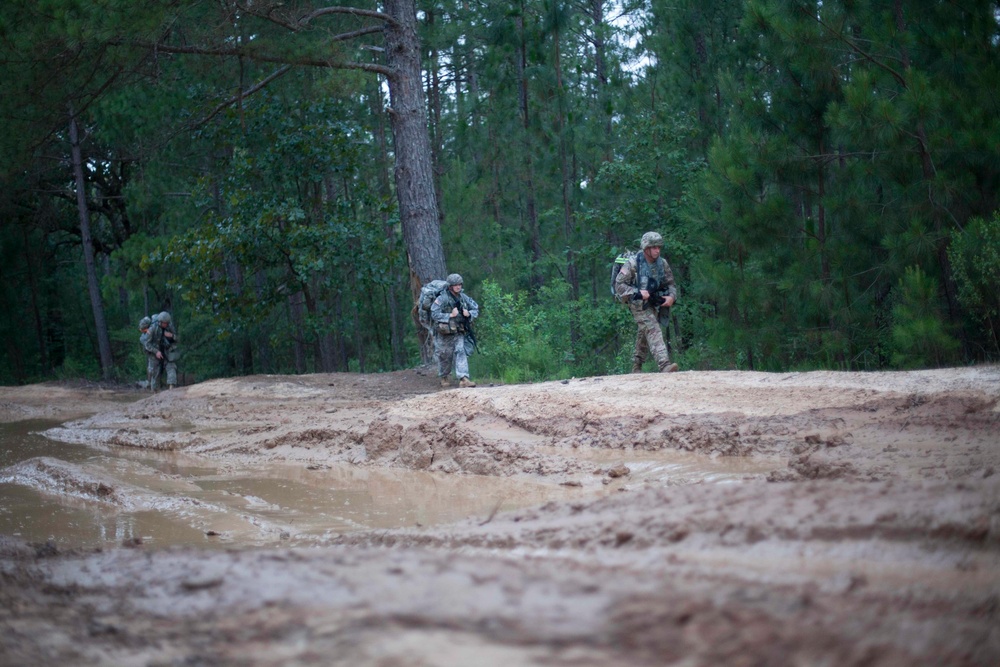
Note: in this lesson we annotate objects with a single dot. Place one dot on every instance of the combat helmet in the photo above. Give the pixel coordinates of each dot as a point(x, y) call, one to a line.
point(651, 240)
point(163, 317)
point(453, 279)
point(145, 323)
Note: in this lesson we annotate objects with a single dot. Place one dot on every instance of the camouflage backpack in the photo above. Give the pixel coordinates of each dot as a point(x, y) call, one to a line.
point(428, 293)
point(616, 268)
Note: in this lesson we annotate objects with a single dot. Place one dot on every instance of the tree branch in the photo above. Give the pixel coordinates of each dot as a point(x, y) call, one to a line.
point(354, 11)
point(857, 49)
point(299, 24)
point(262, 57)
point(281, 71)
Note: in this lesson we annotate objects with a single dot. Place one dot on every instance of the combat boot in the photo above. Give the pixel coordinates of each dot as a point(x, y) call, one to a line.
point(445, 382)
point(636, 366)
point(466, 382)
point(669, 368)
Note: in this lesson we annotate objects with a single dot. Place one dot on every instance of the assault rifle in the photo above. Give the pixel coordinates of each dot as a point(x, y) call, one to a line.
point(656, 293)
point(464, 323)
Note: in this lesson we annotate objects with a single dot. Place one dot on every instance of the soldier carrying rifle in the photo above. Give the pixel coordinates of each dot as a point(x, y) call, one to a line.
point(452, 313)
point(646, 284)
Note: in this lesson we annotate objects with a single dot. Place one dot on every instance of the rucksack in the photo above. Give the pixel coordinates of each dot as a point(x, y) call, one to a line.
point(616, 268)
point(428, 293)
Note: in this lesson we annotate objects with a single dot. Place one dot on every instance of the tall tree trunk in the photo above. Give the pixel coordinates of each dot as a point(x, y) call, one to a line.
point(567, 180)
point(340, 344)
point(414, 172)
point(100, 326)
point(296, 310)
point(604, 98)
point(385, 190)
point(534, 234)
point(436, 132)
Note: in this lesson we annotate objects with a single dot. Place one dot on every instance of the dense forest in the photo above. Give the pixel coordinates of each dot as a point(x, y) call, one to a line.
point(284, 176)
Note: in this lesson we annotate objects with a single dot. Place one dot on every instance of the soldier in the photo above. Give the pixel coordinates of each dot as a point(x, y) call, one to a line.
point(646, 283)
point(452, 313)
point(152, 363)
point(162, 343)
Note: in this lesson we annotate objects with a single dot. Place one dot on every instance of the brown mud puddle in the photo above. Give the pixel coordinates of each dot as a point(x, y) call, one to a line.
point(75, 496)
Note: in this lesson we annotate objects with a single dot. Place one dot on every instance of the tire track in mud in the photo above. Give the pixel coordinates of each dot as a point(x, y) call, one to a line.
point(734, 517)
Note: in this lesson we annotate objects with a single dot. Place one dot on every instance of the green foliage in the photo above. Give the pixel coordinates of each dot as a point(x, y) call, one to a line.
point(975, 257)
point(272, 234)
point(799, 158)
point(515, 338)
point(920, 338)
point(525, 340)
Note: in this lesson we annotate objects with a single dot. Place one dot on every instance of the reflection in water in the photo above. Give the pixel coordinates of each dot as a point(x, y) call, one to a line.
point(166, 498)
point(124, 529)
point(163, 498)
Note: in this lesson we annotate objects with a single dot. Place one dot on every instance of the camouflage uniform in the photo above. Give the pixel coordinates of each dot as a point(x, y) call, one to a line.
point(649, 337)
point(167, 345)
point(449, 333)
point(152, 363)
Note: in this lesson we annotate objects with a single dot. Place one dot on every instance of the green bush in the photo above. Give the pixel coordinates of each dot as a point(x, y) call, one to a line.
point(975, 259)
point(549, 338)
point(919, 337)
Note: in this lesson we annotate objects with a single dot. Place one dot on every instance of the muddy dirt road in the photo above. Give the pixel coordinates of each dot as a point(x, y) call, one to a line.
point(696, 518)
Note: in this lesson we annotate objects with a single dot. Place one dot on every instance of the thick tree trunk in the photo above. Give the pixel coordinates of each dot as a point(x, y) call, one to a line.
point(418, 210)
point(437, 134)
point(100, 326)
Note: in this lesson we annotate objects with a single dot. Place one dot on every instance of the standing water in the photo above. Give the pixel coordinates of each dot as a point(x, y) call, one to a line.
point(78, 496)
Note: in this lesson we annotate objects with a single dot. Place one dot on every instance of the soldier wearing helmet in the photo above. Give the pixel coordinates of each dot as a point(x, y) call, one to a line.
point(646, 284)
point(452, 313)
point(161, 347)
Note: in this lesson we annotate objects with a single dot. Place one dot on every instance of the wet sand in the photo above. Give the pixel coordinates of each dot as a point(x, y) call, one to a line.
point(749, 518)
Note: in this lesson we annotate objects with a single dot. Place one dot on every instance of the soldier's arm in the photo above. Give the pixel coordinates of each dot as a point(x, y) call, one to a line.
point(437, 314)
point(668, 275)
point(625, 287)
point(471, 306)
point(148, 343)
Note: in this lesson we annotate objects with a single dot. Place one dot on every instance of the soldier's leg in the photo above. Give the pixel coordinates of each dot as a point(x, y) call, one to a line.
point(151, 364)
point(662, 354)
point(446, 355)
point(640, 351)
point(157, 367)
point(171, 367)
point(461, 360)
point(650, 326)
